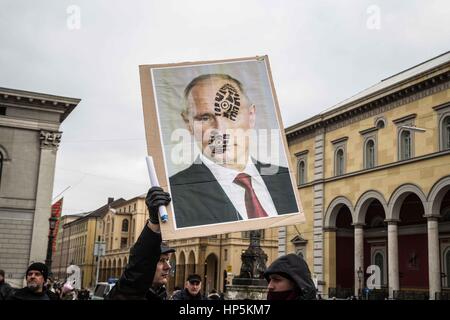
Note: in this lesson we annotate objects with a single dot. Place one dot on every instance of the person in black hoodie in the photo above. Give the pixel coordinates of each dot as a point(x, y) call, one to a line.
point(289, 278)
point(147, 271)
point(36, 276)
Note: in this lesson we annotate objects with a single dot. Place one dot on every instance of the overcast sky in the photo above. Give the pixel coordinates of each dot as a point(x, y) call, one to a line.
point(321, 52)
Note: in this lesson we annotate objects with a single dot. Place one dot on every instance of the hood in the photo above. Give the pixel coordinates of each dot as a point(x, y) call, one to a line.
point(293, 267)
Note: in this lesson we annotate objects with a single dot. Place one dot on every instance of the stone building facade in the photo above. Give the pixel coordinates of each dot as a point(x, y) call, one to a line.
point(374, 176)
point(29, 140)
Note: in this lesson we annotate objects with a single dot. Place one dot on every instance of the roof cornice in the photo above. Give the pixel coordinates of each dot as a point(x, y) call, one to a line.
point(39, 101)
point(368, 103)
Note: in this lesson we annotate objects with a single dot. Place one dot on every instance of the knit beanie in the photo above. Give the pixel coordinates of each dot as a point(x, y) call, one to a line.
point(39, 266)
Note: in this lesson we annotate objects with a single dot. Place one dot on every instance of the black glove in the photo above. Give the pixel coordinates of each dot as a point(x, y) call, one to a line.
point(156, 197)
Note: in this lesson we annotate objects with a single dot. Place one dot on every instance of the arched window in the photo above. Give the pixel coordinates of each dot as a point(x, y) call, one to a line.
point(446, 133)
point(123, 242)
point(301, 172)
point(339, 162)
point(370, 154)
point(302, 165)
point(380, 123)
point(405, 145)
point(125, 225)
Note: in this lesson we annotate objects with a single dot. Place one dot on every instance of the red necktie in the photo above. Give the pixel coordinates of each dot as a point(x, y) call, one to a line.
point(252, 204)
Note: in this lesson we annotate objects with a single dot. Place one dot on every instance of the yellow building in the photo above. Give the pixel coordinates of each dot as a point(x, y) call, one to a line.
point(121, 226)
point(60, 258)
point(78, 237)
point(75, 243)
point(374, 177)
point(217, 259)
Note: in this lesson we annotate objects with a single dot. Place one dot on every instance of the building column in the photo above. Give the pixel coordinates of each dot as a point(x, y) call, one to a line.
point(434, 272)
point(282, 231)
point(200, 266)
point(318, 208)
point(179, 275)
point(41, 228)
point(359, 258)
point(393, 277)
point(186, 270)
point(329, 256)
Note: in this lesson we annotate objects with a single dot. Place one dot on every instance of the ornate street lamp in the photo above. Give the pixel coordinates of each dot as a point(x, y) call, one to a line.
point(48, 261)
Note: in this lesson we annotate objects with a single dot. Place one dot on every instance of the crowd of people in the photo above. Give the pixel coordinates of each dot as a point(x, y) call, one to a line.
point(148, 269)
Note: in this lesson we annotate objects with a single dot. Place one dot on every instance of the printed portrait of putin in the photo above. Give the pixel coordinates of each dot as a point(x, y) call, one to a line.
point(225, 183)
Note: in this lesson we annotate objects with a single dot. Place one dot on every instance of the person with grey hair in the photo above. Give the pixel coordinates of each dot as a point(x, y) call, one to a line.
point(225, 183)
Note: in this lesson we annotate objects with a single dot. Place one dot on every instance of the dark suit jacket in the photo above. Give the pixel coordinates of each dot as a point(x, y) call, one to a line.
point(198, 198)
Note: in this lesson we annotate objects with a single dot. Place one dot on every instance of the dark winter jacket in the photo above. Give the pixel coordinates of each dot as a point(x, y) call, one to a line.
point(156, 295)
point(136, 281)
point(53, 295)
point(5, 290)
point(27, 294)
point(294, 268)
point(185, 295)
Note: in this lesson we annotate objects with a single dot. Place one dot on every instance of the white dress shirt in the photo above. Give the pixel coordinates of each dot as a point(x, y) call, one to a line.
point(236, 193)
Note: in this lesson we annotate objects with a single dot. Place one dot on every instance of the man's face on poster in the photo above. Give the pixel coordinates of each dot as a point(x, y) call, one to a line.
point(220, 117)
